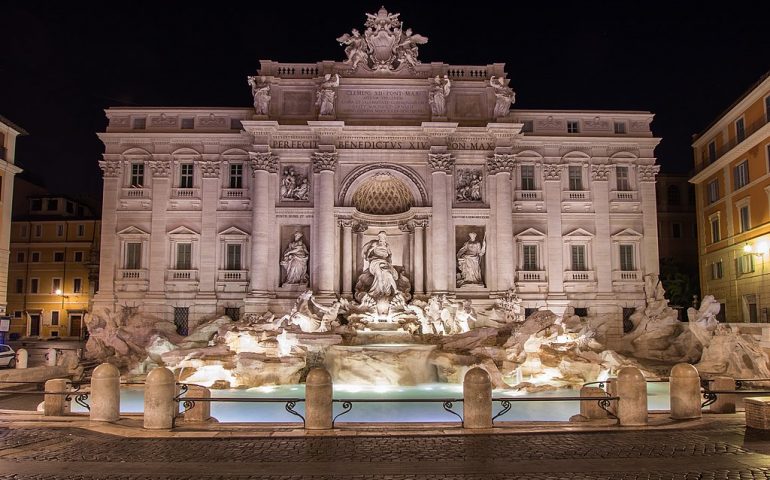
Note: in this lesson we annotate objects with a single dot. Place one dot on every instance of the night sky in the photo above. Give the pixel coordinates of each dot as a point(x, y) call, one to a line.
point(62, 63)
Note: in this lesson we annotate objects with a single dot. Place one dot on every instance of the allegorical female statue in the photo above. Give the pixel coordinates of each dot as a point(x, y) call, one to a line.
point(260, 90)
point(439, 91)
point(378, 261)
point(294, 261)
point(326, 94)
point(469, 261)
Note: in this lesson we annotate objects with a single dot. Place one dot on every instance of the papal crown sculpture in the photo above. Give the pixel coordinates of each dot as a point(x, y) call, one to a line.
point(385, 45)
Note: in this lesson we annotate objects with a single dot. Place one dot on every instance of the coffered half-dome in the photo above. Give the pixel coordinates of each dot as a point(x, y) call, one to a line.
point(383, 194)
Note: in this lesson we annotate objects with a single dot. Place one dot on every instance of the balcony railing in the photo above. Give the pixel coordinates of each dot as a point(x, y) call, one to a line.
point(136, 192)
point(623, 196)
point(572, 195)
point(234, 193)
point(579, 276)
point(233, 275)
point(131, 274)
point(183, 275)
point(185, 193)
point(721, 151)
point(524, 195)
point(530, 276)
point(626, 276)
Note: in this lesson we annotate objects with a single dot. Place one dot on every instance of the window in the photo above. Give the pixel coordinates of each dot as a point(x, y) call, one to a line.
point(133, 256)
point(578, 257)
point(78, 257)
point(767, 109)
point(528, 177)
point(34, 284)
point(740, 130)
point(573, 126)
point(23, 231)
point(620, 128)
point(20, 257)
point(233, 312)
point(627, 258)
point(17, 313)
point(140, 123)
point(19, 285)
point(70, 208)
point(715, 234)
point(81, 230)
point(38, 230)
point(58, 256)
point(184, 256)
point(188, 123)
point(581, 311)
point(77, 285)
point(743, 214)
point(716, 270)
point(52, 204)
point(34, 257)
point(676, 230)
point(621, 174)
point(741, 174)
point(674, 196)
point(746, 263)
point(529, 263)
point(55, 285)
point(55, 317)
point(59, 230)
point(751, 307)
point(181, 318)
point(137, 174)
point(575, 177)
point(236, 175)
point(712, 149)
point(235, 124)
point(186, 175)
point(527, 126)
point(713, 191)
point(36, 204)
point(233, 261)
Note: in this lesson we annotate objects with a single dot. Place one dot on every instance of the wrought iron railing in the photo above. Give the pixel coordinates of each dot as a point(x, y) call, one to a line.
point(446, 403)
point(604, 402)
point(710, 396)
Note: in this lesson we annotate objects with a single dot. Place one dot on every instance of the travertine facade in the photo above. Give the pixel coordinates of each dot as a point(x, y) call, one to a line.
point(202, 206)
point(8, 169)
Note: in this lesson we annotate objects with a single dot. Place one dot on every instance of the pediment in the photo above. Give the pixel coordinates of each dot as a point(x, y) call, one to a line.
point(235, 152)
point(185, 152)
point(132, 230)
point(233, 232)
point(579, 232)
point(528, 155)
point(530, 232)
point(627, 233)
point(136, 152)
point(183, 231)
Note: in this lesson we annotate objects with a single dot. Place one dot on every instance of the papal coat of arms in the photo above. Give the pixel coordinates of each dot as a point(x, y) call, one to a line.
point(385, 45)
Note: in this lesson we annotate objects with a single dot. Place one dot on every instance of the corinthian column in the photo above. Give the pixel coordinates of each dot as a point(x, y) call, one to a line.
point(347, 256)
point(262, 164)
point(649, 252)
point(419, 259)
point(442, 251)
point(161, 192)
point(324, 164)
point(500, 166)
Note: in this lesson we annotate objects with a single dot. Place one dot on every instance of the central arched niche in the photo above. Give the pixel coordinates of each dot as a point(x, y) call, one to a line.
point(382, 194)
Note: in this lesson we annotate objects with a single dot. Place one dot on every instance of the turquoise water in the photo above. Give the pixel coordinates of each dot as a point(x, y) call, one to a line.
point(132, 400)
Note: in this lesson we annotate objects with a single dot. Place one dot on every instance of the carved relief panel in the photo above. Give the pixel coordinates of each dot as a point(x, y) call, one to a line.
point(295, 184)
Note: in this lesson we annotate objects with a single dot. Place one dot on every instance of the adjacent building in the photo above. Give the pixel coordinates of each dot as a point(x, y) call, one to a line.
point(8, 169)
point(53, 271)
point(732, 187)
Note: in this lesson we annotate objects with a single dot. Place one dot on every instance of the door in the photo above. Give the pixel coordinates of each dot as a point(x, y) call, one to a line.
point(76, 322)
point(34, 325)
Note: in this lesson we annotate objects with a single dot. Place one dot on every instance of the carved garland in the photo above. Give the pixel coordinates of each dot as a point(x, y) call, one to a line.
point(600, 173)
point(552, 171)
point(500, 163)
point(209, 168)
point(266, 161)
point(647, 172)
point(110, 169)
point(441, 162)
point(159, 168)
point(324, 161)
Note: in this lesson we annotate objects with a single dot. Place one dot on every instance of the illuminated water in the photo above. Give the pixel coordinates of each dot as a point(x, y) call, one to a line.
point(132, 402)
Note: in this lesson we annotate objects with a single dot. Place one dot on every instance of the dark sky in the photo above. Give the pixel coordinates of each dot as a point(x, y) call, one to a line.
point(62, 63)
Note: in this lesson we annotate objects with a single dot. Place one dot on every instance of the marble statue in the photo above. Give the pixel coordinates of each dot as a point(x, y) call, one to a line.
point(294, 186)
point(469, 261)
point(378, 261)
point(439, 91)
point(504, 96)
point(381, 287)
point(510, 304)
point(326, 94)
point(406, 51)
point(260, 90)
point(294, 261)
point(468, 186)
point(703, 321)
point(356, 49)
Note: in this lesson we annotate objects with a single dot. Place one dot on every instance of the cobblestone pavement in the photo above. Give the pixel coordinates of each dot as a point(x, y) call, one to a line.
point(63, 454)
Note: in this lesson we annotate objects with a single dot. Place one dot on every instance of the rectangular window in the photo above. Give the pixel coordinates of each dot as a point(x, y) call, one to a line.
point(181, 318)
point(715, 234)
point(578, 257)
point(233, 256)
point(59, 230)
point(575, 177)
point(530, 258)
point(627, 257)
point(58, 256)
point(746, 263)
point(527, 126)
point(55, 285)
point(140, 123)
point(78, 257)
point(81, 230)
point(188, 123)
point(19, 285)
point(676, 230)
point(133, 256)
point(573, 126)
point(20, 257)
point(137, 175)
point(34, 284)
point(236, 175)
point(527, 177)
point(186, 175)
point(38, 230)
point(34, 257)
point(36, 204)
point(77, 285)
point(712, 149)
point(620, 128)
point(716, 270)
point(741, 174)
point(622, 176)
point(17, 313)
point(713, 191)
point(52, 204)
point(184, 256)
point(55, 317)
point(740, 130)
point(744, 218)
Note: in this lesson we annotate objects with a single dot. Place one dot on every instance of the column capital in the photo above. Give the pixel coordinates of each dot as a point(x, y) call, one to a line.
point(441, 162)
point(209, 168)
point(600, 173)
point(110, 169)
point(346, 223)
point(360, 227)
point(647, 173)
point(266, 161)
point(159, 168)
point(552, 171)
point(421, 223)
point(500, 163)
point(324, 161)
point(407, 227)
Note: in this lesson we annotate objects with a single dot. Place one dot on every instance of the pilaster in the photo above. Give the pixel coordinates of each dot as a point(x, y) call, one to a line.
point(500, 165)
point(324, 165)
point(441, 164)
point(263, 163)
point(647, 175)
point(161, 192)
point(554, 242)
point(210, 183)
point(602, 251)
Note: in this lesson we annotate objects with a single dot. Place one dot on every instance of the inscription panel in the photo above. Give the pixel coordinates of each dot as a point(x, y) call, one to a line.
point(404, 102)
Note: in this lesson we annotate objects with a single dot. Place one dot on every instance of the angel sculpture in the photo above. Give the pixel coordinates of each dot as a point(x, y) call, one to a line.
point(356, 49)
point(406, 50)
point(504, 94)
point(326, 94)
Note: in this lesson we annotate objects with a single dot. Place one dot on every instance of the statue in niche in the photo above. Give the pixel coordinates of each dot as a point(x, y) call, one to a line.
point(260, 90)
point(382, 285)
point(294, 261)
point(504, 96)
point(469, 261)
point(439, 91)
point(468, 186)
point(356, 50)
point(326, 94)
point(293, 185)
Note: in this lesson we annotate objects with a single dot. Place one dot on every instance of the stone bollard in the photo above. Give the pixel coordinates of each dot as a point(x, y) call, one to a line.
point(318, 400)
point(159, 403)
point(54, 400)
point(477, 399)
point(684, 388)
point(51, 357)
point(725, 402)
point(105, 393)
point(201, 411)
point(590, 409)
point(22, 358)
point(631, 387)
